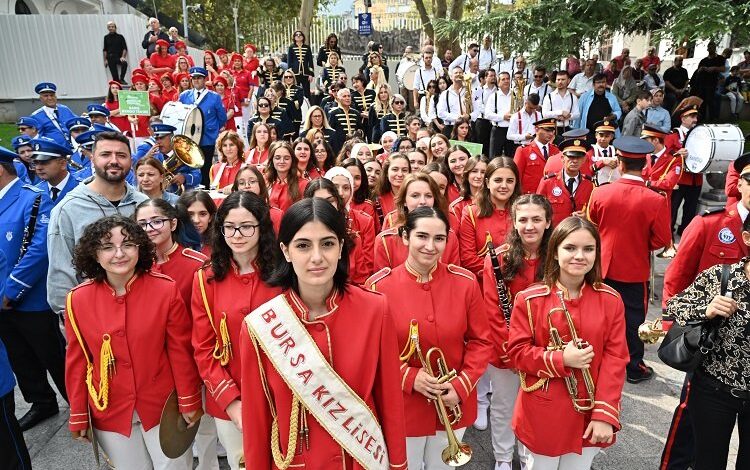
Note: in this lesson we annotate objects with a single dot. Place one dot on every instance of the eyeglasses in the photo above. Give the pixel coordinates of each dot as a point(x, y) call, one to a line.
point(746, 177)
point(246, 183)
point(263, 105)
point(538, 76)
point(110, 249)
point(398, 102)
point(246, 231)
point(154, 224)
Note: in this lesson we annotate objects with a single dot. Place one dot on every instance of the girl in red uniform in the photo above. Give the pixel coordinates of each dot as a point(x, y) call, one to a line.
point(472, 184)
point(221, 86)
point(456, 160)
point(210, 64)
point(346, 334)
point(113, 105)
point(168, 92)
point(145, 334)
point(250, 179)
point(170, 235)
point(231, 151)
point(282, 176)
point(323, 153)
point(521, 260)
point(361, 190)
point(244, 83)
point(260, 141)
point(439, 173)
point(305, 164)
point(491, 213)
point(161, 60)
point(201, 210)
point(359, 226)
point(395, 169)
point(571, 270)
point(442, 305)
point(418, 190)
point(243, 256)
point(182, 66)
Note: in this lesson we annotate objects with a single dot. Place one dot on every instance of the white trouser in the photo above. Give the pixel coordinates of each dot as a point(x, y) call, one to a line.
point(564, 462)
point(205, 444)
point(504, 393)
point(424, 453)
point(484, 388)
point(231, 438)
point(140, 451)
point(736, 102)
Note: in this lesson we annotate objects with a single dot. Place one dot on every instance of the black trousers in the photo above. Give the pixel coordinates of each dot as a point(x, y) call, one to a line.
point(634, 297)
point(35, 346)
point(482, 131)
point(447, 130)
point(714, 412)
point(499, 143)
point(303, 81)
point(208, 160)
point(14, 454)
point(113, 62)
point(679, 450)
point(689, 194)
point(559, 134)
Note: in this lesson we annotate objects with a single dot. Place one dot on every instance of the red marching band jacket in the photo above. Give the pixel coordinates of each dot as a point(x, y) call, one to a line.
point(674, 142)
point(530, 162)
point(357, 338)
point(473, 235)
point(599, 318)
point(449, 313)
point(145, 335)
point(180, 266)
point(362, 232)
point(666, 173)
point(498, 328)
point(563, 204)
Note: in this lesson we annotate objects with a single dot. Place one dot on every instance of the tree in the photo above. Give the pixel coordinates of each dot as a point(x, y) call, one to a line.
point(440, 10)
point(551, 29)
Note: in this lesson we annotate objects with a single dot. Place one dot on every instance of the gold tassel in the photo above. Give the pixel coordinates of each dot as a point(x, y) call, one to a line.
point(487, 241)
point(226, 353)
point(411, 343)
point(106, 370)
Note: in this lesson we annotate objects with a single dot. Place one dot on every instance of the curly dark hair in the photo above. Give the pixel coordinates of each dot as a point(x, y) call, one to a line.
point(268, 249)
point(84, 255)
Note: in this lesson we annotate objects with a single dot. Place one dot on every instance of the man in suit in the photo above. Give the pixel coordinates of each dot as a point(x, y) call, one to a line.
point(52, 116)
point(214, 116)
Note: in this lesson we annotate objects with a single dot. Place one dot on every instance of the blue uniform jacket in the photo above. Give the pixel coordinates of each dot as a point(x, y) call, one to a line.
point(72, 183)
point(214, 114)
point(192, 175)
point(79, 159)
point(7, 380)
point(22, 172)
point(26, 286)
point(47, 128)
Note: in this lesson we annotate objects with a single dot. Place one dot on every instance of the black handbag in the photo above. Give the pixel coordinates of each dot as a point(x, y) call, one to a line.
point(684, 346)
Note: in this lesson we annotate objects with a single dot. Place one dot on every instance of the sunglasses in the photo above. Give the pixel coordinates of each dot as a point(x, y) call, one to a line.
point(296, 35)
point(263, 105)
point(538, 76)
point(399, 102)
point(746, 177)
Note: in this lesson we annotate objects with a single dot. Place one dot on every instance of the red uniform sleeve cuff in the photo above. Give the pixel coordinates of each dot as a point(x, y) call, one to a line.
point(463, 386)
point(408, 375)
point(553, 361)
point(78, 421)
point(607, 413)
point(226, 393)
point(190, 403)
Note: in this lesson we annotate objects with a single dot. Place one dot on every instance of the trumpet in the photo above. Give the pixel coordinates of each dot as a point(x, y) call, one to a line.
point(557, 344)
point(516, 99)
point(184, 152)
point(650, 332)
point(468, 100)
point(456, 453)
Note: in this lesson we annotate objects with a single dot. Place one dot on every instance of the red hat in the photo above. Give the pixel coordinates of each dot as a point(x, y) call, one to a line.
point(138, 71)
point(251, 46)
point(180, 76)
point(115, 82)
point(221, 80)
point(235, 56)
point(155, 81)
point(138, 78)
point(180, 45)
point(167, 76)
point(162, 43)
point(221, 51)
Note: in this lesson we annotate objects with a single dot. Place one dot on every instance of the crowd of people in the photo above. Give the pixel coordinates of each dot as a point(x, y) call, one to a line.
point(343, 283)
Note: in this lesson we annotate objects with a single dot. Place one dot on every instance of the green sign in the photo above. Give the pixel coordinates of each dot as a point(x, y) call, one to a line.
point(474, 149)
point(133, 103)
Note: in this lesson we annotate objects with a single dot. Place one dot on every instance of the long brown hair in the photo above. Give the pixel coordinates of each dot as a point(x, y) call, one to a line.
point(292, 178)
point(471, 163)
point(513, 258)
point(401, 210)
point(561, 232)
point(484, 199)
point(384, 185)
point(235, 138)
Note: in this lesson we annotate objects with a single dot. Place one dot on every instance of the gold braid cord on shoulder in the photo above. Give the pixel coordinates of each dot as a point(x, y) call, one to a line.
point(223, 346)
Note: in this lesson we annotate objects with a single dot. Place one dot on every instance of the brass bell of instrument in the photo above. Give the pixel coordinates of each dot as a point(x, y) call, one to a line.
point(651, 332)
point(184, 152)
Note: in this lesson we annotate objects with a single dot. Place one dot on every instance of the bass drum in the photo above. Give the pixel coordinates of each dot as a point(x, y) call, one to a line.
point(407, 80)
point(187, 118)
point(711, 147)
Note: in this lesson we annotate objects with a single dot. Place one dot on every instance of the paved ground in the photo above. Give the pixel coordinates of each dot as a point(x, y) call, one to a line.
point(647, 411)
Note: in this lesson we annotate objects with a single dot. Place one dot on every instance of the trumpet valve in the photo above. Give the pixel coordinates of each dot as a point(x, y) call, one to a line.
point(583, 344)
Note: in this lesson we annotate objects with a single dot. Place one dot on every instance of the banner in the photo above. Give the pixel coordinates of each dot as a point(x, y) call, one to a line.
point(134, 103)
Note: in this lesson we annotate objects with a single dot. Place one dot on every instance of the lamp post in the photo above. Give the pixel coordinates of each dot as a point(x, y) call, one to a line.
point(185, 19)
point(236, 14)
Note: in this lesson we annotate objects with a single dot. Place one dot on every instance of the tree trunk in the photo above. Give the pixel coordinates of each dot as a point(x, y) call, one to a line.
point(425, 18)
point(306, 11)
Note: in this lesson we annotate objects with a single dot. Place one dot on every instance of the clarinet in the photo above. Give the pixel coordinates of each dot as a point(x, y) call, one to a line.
point(379, 210)
point(28, 231)
point(502, 290)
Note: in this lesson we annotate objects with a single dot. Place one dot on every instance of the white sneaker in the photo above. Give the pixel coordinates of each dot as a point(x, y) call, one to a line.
point(503, 466)
point(481, 422)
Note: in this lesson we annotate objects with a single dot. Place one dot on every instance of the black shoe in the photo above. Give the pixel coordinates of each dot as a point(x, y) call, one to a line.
point(643, 373)
point(37, 414)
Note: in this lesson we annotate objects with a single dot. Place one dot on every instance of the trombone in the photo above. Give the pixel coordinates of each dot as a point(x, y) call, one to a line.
point(580, 404)
point(457, 453)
